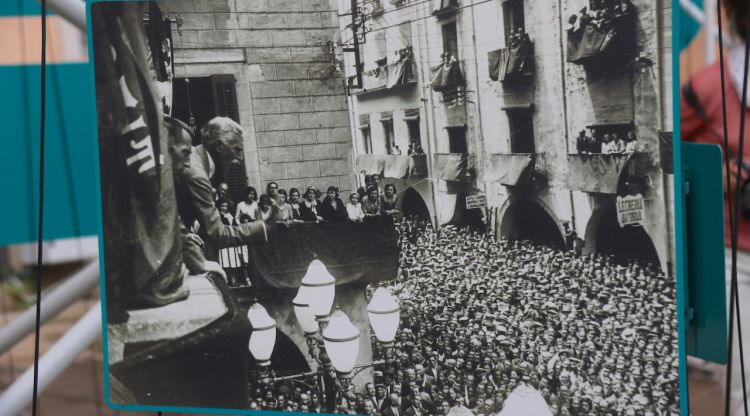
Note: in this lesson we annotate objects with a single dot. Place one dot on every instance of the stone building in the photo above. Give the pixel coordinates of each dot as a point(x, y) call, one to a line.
point(501, 116)
point(268, 64)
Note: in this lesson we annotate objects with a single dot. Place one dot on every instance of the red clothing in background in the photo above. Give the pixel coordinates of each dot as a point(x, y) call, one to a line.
point(709, 128)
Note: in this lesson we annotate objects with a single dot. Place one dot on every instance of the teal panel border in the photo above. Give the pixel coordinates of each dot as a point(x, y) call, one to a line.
point(679, 214)
point(679, 244)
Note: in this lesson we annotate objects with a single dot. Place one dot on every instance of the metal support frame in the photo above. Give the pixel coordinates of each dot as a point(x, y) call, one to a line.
point(18, 396)
point(355, 48)
point(59, 298)
point(73, 11)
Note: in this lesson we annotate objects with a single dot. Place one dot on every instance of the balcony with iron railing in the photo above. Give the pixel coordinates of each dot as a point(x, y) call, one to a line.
point(517, 169)
point(602, 36)
point(448, 80)
point(393, 166)
point(453, 167)
point(387, 77)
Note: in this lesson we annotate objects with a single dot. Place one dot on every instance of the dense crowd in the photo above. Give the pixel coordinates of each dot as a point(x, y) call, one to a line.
point(481, 317)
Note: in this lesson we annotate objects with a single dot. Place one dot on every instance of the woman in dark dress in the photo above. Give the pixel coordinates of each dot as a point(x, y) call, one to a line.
point(389, 200)
point(295, 204)
point(371, 204)
point(308, 208)
point(332, 208)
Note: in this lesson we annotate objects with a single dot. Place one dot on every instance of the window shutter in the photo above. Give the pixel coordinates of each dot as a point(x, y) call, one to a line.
point(224, 90)
point(225, 96)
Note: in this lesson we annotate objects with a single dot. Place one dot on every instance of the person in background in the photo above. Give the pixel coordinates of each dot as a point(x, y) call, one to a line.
point(631, 143)
point(229, 257)
point(354, 208)
point(371, 204)
point(249, 205)
point(608, 146)
point(332, 208)
point(376, 183)
point(295, 205)
point(362, 191)
point(389, 200)
point(618, 144)
point(222, 193)
point(272, 190)
point(285, 209)
point(582, 143)
point(264, 211)
point(308, 208)
point(701, 119)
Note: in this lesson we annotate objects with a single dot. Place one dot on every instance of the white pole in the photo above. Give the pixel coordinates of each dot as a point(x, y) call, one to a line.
point(709, 28)
point(18, 396)
point(73, 11)
point(56, 300)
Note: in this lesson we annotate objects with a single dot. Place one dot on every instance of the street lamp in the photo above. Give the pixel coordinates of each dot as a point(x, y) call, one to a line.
point(263, 337)
point(319, 289)
point(341, 340)
point(384, 313)
point(304, 314)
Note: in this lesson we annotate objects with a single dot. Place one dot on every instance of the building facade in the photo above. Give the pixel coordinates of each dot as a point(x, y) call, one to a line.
point(499, 92)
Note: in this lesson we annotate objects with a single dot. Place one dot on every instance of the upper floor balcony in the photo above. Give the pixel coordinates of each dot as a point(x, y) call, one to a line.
point(602, 36)
point(618, 173)
point(454, 167)
point(517, 169)
point(387, 76)
point(393, 166)
point(513, 63)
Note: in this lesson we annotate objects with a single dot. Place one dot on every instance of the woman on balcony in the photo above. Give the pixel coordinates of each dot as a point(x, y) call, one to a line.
point(249, 205)
point(308, 208)
point(332, 208)
point(389, 200)
point(295, 205)
point(371, 204)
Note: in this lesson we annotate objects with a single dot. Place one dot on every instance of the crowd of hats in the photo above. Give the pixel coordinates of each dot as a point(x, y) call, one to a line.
point(480, 317)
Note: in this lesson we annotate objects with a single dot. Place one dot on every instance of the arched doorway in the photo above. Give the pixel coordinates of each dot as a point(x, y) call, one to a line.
point(604, 235)
point(527, 220)
point(413, 204)
point(286, 359)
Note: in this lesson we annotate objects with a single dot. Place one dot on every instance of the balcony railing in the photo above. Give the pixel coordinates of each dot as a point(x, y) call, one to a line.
point(607, 173)
point(517, 169)
point(393, 166)
point(449, 81)
point(601, 37)
point(454, 167)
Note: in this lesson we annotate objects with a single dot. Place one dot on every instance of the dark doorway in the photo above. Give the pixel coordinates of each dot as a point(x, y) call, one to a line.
point(464, 216)
point(526, 220)
point(457, 140)
point(628, 243)
point(413, 204)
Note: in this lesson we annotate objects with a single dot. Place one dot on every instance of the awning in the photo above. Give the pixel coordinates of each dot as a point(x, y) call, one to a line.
point(451, 167)
point(370, 164)
point(497, 59)
point(353, 253)
point(446, 77)
point(508, 169)
point(376, 78)
point(601, 172)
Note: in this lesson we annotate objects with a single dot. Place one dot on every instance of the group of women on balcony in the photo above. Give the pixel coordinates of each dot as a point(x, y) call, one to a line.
point(606, 143)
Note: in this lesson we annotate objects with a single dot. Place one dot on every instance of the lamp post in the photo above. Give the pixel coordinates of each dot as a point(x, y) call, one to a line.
point(333, 340)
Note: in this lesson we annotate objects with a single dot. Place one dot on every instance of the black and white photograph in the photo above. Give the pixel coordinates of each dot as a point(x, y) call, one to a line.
point(388, 207)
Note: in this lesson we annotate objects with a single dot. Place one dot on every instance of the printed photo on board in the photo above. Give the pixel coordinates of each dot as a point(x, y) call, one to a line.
point(397, 207)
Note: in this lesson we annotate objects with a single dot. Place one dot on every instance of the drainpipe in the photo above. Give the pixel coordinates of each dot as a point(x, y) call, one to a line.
point(479, 125)
point(565, 108)
point(429, 110)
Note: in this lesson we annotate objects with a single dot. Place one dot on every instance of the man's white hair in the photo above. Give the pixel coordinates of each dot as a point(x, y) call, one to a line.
point(218, 128)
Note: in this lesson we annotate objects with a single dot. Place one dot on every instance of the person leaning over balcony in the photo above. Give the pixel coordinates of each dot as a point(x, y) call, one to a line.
point(371, 204)
point(619, 144)
point(222, 139)
point(701, 119)
point(631, 143)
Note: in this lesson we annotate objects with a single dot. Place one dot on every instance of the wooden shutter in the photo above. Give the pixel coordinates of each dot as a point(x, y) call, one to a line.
point(225, 96)
point(224, 90)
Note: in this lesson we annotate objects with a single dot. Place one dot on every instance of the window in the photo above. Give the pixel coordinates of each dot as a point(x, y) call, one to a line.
point(411, 117)
point(457, 139)
point(450, 39)
point(386, 119)
point(520, 122)
point(365, 134)
point(513, 17)
point(204, 98)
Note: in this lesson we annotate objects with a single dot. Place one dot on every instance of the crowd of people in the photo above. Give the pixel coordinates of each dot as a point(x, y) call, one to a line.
point(606, 143)
point(290, 207)
point(481, 317)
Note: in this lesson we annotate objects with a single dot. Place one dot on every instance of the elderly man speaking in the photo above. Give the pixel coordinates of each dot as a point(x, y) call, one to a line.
point(221, 142)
